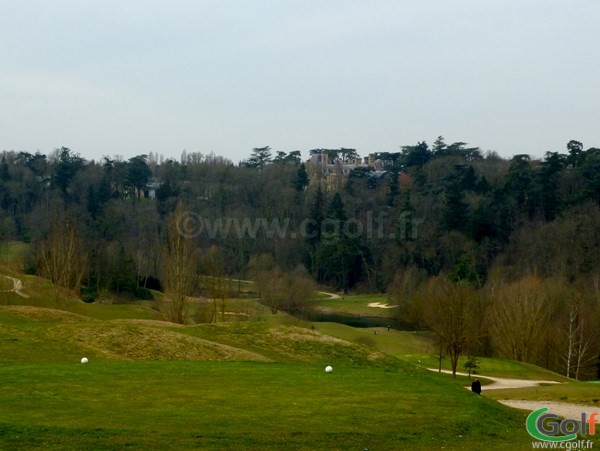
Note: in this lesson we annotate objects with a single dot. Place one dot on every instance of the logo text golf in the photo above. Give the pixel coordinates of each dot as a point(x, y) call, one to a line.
point(547, 426)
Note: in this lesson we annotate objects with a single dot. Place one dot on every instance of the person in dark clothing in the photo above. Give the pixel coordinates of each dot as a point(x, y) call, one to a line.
point(476, 386)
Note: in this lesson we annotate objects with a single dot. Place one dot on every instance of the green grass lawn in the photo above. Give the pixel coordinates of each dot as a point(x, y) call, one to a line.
point(155, 385)
point(353, 304)
point(6, 284)
point(418, 348)
point(392, 342)
point(237, 385)
point(14, 253)
point(241, 405)
point(32, 334)
point(493, 367)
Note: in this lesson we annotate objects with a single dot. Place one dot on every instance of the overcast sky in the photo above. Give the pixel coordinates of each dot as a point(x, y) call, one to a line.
point(132, 77)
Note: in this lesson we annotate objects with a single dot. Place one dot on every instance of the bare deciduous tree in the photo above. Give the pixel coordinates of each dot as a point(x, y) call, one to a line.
point(517, 317)
point(403, 293)
point(571, 338)
point(215, 282)
point(290, 291)
point(180, 259)
point(450, 310)
point(578, 353)
point(62, 258)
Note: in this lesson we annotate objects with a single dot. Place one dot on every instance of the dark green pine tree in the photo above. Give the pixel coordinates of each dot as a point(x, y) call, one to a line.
point(315, 222)
point(66, 167)
point(301, 179)
point(404, 221)
point(138, 174)
point(336, 211)
point(313, 231)
point(92, 201)
point(339, 253)
point(519, 186)
point(548, 182)
point(456, 209)
point(393, 165)
point(590, 170)
point(4, 173)
point(417, 155)
point(576, 154)
point(261, 156)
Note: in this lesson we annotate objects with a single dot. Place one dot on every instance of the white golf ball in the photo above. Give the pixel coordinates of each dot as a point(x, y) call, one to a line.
point(328, 369)
point(84, 360)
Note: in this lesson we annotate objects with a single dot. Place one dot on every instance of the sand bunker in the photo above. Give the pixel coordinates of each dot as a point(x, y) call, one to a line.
point(380, 305)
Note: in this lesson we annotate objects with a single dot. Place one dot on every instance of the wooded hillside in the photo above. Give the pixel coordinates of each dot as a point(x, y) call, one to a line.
point(520, 236)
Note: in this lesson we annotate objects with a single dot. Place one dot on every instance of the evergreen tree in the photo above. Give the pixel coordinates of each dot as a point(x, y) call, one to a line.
point(65, 168)
point(548, 177)
point(261, 156)
point(576, 156)
point(4, 172)
point(417, 155)
point(138, 174)
point(339, 254)
point(519, 185)
point(314, 225)
point(301, 179)
point(456, 209)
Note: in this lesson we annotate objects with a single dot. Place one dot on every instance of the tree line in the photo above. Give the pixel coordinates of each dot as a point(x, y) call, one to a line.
point(514, 239)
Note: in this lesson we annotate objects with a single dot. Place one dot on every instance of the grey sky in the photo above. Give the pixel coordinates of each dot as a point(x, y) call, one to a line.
point(131, 77)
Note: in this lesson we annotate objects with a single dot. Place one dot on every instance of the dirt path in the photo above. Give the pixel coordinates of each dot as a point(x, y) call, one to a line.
point(563, 409)
point(17, 286)
point(330, 295)
point(380, 305)
point(500, 383)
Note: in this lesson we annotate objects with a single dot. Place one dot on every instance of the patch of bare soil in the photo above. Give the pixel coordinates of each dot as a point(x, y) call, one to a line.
point(500, 383)
point(380, 305)
point(330, 295)
point(562, 409)
point(17, 286)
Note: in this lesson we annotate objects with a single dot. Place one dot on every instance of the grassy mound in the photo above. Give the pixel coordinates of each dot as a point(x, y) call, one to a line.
point(33, 335)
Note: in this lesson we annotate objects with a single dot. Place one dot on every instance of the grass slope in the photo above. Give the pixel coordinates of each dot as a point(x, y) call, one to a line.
point(158, 385)
point(251, 384)
point(33, 334)
point(418, 349)
point(244, 405)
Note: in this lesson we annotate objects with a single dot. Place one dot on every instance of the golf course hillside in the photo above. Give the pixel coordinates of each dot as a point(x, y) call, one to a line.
point(257, 383)
point(34, 334)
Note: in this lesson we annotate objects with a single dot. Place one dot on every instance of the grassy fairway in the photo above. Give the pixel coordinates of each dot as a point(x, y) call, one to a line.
point(393, 342)
point(199, 394)
point(239, 385)
point(354, 304)
point(418, 349)
point(244, 405)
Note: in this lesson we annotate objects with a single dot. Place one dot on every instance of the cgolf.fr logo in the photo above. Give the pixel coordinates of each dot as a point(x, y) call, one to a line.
point(549, 428)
